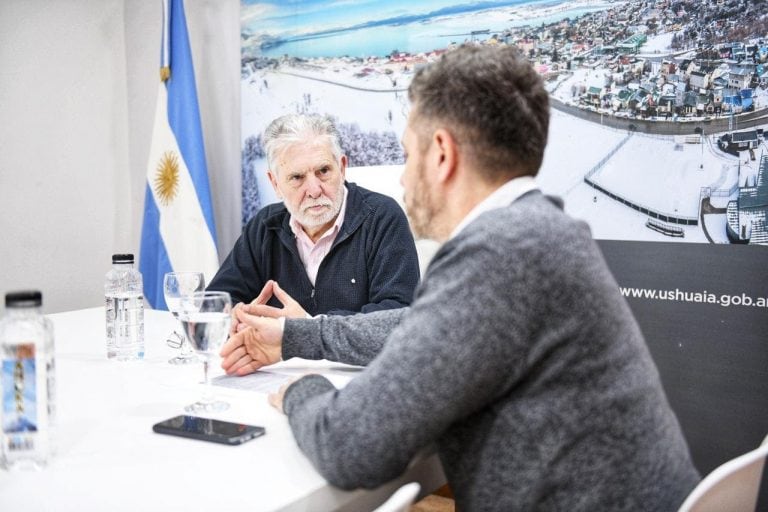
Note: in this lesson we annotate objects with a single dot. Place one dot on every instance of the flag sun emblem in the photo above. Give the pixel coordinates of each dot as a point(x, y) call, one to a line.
point(167, 177)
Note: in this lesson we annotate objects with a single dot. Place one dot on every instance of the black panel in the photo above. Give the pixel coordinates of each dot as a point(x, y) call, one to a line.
point(713, 359)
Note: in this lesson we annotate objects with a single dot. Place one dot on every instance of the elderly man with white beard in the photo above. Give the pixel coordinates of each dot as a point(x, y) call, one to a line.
point(334, 247)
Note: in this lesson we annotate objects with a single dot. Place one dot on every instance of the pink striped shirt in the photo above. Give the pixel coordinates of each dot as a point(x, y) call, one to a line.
point(313, 253)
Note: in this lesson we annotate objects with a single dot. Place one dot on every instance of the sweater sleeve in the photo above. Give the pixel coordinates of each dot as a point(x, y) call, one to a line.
point(356, 339)
point(240, 274)
point(450, 355)
point(393, 264)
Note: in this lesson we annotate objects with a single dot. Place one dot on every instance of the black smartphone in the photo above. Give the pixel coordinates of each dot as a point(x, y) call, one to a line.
point(207, 429)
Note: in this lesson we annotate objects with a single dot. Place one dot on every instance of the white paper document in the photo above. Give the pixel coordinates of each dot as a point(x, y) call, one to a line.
point(262, 381)
point(269, 381)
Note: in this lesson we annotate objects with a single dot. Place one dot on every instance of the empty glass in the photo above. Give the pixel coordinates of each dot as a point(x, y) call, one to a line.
point(175, 286)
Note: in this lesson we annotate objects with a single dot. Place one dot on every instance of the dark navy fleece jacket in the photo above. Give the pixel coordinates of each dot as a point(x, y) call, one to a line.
point(371, 266)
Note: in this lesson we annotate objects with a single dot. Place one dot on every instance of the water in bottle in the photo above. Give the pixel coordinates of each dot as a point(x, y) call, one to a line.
point(124, 301)
point(27, 383)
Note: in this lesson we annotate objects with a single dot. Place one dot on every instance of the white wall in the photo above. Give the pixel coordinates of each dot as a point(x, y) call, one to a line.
point(78, 85)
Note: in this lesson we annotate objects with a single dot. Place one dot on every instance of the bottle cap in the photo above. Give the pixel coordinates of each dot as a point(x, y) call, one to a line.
point(23, 299)
point(122, 258)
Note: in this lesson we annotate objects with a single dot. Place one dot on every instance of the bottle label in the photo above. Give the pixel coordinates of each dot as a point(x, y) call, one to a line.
point(19, 384)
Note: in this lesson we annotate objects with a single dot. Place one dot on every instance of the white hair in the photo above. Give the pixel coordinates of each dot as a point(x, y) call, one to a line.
point(292, 129)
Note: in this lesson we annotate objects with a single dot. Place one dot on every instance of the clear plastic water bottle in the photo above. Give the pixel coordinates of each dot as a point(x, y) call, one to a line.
point(124, 300)
point(27, 381)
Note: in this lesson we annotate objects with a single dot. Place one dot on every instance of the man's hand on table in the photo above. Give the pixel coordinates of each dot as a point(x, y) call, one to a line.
point(276, 399)
point(257, 345)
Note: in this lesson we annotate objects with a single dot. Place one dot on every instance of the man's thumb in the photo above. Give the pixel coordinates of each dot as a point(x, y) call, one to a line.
point(281, 295)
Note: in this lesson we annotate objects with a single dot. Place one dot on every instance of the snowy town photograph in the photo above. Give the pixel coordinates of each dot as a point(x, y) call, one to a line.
point(658, 107)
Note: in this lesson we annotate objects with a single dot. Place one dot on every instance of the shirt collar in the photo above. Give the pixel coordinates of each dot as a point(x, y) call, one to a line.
point(502, 196)
point(298, 231)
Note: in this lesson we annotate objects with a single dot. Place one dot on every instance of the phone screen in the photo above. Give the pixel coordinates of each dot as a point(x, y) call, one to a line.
point(208, 429)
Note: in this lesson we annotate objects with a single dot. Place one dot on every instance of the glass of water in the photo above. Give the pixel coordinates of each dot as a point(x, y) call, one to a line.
point(175, 286)
point(206, 318)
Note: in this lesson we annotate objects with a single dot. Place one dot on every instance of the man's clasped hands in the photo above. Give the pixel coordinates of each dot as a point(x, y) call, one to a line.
point(256, 334)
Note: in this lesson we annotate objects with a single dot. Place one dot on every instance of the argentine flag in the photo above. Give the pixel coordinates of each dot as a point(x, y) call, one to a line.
point(178, 233)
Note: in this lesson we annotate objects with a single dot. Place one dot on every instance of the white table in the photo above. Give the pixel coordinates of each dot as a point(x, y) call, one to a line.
point(109, 459)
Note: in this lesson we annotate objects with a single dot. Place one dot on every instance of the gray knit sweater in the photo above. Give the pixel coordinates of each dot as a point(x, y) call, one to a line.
point(518, 359)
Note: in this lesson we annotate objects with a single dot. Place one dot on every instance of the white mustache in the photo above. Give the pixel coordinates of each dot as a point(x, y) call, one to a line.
point(308, 205)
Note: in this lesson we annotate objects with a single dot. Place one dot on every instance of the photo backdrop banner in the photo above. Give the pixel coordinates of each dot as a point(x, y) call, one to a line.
point(656, 141)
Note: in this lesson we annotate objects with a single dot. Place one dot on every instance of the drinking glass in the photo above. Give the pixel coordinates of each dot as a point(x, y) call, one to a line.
point(205, 317)
point(175, 286)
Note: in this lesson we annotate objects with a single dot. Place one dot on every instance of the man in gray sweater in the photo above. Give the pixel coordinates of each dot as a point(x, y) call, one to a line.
point(518, 359)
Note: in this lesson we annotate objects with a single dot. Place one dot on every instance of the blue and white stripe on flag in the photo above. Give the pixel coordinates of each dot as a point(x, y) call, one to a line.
point(178, 233)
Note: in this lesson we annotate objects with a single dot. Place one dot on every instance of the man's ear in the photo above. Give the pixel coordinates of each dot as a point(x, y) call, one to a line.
point(273, 181)
point(343, 167)
point(446, 153)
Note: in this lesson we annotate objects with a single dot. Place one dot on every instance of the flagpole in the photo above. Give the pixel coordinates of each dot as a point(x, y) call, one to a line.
point(165, 57)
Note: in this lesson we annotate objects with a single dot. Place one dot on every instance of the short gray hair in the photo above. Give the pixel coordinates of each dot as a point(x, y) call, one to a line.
point(292, 129)
point(492, 101)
